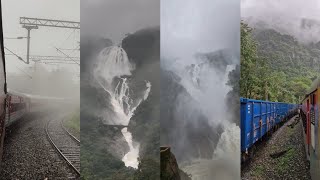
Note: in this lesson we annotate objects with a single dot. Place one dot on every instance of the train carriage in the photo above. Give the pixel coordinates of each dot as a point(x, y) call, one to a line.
point(17, 106)
point(259, 119)
point(3, 88)
point(310, 116)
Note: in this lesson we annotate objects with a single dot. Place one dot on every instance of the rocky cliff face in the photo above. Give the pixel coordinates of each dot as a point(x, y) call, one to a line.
point(143, 46)
point(184, 128)
point(102, 147)
point(90, 47)
point(143, 49)
point(169, 166)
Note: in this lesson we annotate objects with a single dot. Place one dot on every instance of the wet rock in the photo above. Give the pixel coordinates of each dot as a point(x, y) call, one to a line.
point(169, 166)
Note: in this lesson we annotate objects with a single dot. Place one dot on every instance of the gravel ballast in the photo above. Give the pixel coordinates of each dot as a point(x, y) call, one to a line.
point(28, 153)
point(281, 157)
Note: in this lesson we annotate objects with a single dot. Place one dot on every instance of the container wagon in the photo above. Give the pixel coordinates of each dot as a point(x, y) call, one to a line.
point(259, 119)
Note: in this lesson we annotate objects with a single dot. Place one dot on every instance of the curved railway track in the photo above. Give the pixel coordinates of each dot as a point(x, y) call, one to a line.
point(65, 144)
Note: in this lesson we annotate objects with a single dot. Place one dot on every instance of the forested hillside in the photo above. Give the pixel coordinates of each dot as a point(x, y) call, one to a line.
point(275, 66)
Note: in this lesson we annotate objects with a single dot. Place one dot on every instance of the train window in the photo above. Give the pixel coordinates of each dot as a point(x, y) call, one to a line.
point(312, 98)
point(17, 106)
point(2, 69)
point(2, 77)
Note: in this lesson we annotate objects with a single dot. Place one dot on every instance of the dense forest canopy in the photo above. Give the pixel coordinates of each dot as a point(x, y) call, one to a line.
point(276, 66)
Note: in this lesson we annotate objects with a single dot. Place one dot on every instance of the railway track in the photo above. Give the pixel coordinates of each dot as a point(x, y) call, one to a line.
point(66, 145)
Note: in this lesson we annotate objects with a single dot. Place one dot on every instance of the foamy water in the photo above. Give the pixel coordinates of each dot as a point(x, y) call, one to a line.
point(225, 156)
point(207, 85)
point(113, 64)
point(131, 158)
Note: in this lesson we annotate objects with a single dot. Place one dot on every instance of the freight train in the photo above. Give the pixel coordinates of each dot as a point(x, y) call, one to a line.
point(259, 119)
point(310, 118)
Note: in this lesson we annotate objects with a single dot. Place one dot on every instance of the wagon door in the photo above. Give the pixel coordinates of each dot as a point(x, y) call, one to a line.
point(308, 126)
point(312, 122)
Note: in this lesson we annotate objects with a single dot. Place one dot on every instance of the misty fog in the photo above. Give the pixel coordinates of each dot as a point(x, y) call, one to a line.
point(295, 17)
point(115, 19)
point(41, 78)
point(200, 42)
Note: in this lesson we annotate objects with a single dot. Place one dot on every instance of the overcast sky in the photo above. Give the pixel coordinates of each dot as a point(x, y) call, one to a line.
point(114, 18)
point(293, 8)
point(189, 26)
point(284, 16)
point(44, 39)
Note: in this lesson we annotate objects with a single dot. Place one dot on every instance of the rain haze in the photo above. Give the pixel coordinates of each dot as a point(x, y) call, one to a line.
point(43, 40)
point(198, 29)
point(42, 100)
point(301, 19)
point(114, 19)
point(200, 42)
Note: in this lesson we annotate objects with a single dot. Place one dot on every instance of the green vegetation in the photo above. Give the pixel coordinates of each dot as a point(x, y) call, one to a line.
point(98, 163)
point(258, 170)
point(276, 66)
point(73, 123)
point(148, 169)
point(96, 160)
point(290, 131)
point(284, 161)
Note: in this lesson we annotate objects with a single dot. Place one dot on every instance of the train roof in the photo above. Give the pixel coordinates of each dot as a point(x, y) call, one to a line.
point(16, 93)
point(242, 99)
point(314, 86)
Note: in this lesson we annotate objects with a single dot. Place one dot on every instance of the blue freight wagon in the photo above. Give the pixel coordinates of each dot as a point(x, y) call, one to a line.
point(259, 118)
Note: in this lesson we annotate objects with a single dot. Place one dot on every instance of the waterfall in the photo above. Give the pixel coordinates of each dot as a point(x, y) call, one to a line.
point(113, 72)
point(130, 159)
point(207, 86)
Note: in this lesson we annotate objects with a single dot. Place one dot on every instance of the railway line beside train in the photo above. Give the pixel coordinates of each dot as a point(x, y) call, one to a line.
point(261, 120)
point(28, 153)
point(65, 144)
point(282, 156)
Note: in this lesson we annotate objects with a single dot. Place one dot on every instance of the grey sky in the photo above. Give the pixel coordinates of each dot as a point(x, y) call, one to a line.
point(114, 18)
point(294, 8)
point(44, 39)
point(189, 26)
point(284, 16)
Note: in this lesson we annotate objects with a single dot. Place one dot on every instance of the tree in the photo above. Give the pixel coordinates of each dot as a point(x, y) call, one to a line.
point(148, 169)
point(248, 59)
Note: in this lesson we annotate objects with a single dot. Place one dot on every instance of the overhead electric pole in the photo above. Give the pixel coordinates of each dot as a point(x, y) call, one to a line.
point(33, 23)
point(28, 39)
point(49, 22)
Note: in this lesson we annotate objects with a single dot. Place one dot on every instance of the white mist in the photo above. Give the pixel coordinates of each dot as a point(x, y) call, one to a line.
point(190, 27)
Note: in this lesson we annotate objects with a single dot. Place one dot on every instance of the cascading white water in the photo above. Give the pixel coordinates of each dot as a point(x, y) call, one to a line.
point(130, 159)
point(207, 85)
point(189, 28)
point(112, 65)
